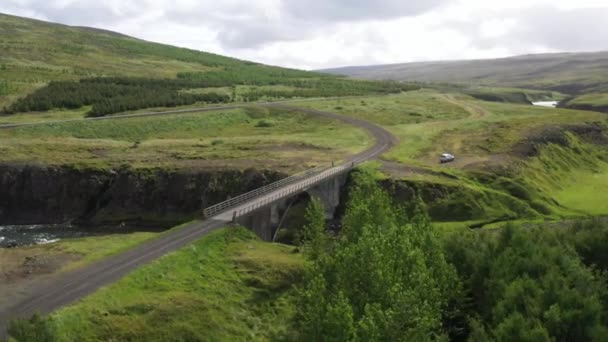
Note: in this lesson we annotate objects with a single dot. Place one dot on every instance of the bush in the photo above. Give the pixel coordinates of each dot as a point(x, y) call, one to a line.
point(264, 123)
point(35, 329)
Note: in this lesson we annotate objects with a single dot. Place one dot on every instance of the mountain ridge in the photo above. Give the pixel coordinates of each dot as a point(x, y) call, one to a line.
point(570, 72)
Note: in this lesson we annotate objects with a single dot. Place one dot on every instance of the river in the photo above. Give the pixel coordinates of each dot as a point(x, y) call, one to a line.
point(25, 235)
point(552, 104)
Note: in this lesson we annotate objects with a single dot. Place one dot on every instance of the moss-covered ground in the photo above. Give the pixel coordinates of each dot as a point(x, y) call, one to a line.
point(228, 286)
point(241, 138)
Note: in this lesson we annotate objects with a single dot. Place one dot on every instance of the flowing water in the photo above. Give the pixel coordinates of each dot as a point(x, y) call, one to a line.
point(25, 235)
point(552, 104)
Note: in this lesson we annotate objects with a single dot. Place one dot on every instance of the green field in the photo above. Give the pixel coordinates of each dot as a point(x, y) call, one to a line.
point(500, 172)
point(240, 138)
point(586, 191)
point(227, 286)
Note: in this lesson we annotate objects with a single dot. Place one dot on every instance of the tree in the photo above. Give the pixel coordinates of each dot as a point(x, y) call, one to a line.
point(379, 275)
point(35, 329)
point(314, 237)
point(528, 285)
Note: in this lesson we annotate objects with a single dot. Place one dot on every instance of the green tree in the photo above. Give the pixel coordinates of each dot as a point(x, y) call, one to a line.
point(386, 274)
point(35, 329)
point(314, 235)
point(528, 285)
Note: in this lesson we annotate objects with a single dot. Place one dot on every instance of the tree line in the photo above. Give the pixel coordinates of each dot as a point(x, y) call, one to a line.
point(111, 95)
point(388, 275)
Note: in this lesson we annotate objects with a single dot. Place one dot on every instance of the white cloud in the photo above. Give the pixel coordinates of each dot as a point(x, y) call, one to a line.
point(326, 33)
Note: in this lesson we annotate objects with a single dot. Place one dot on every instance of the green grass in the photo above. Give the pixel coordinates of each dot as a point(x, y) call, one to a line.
point(292, 141)
point(491, 178)
point(597, 102)
point(512, 95)
point(83, 251)
point(61, 256)
point(586, 191)
point(56, 115)
point(592, 99)
point(228, 286)
point(429, 122)
point(35, 53)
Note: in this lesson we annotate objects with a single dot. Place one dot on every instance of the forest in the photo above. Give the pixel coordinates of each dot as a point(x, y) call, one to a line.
point(388, 275)
point(110, 95)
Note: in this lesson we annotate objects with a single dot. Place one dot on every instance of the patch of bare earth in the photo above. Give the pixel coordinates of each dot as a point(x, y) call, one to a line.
point(22, 267)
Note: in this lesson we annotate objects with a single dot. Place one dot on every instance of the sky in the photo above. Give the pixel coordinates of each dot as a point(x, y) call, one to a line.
point(316, 34)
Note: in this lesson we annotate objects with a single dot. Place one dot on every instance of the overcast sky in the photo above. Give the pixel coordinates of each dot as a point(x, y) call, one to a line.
point(314, 34)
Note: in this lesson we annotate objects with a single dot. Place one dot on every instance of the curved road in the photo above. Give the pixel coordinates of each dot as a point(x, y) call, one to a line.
point(65, 288)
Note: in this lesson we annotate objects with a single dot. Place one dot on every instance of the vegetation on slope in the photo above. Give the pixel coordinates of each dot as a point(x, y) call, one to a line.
point(241, 138)
point(501, 171)
point(500, 94)
point(58, 67)
point(227, 286)
point(595, 101)
point(570, 73)
point(383, 279)
point(387, 275)
point(505, 286)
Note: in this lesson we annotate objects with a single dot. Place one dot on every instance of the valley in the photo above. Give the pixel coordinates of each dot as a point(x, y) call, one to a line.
point(363, 232)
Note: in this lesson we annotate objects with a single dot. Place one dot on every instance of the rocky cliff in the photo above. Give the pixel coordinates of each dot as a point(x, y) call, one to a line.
point(46, 194)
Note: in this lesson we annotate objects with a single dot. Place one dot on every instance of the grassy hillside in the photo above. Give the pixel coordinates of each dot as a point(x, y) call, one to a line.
point(512, 161)
point(594, 101)
point(229, 286)
point(58, 66)
point(241, 138)
point(501, 94)
point(565, 72)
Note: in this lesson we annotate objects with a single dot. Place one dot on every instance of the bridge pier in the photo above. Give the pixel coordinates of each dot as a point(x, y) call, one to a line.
point(329, 194)
point(265, 220)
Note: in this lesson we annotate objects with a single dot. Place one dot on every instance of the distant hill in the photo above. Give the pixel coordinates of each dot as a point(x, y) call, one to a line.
point(571, 73)
point(46, 51)
point(45, 66)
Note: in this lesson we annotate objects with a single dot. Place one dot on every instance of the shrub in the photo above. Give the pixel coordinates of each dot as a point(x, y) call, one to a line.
point(264, 123)
point(37, 328)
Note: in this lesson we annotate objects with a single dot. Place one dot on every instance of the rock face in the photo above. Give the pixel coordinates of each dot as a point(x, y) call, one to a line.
point(47, 194)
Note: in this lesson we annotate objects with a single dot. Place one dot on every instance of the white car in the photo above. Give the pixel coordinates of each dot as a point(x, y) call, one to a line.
point(446, 158)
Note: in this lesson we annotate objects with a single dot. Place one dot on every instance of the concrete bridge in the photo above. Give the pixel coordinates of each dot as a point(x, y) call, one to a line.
point(259, 210)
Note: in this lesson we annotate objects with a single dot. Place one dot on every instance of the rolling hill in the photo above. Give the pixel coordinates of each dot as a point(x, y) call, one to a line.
point(570, 73)
point(59, 66)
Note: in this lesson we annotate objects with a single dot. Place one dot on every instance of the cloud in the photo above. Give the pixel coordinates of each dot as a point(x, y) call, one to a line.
point(534, 29)
point(76, 12)
point(326, 33)
point(349, 10)
point(571, 30)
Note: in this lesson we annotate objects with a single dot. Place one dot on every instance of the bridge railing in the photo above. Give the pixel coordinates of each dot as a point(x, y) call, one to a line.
point(308, 183)
point(232, 202)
